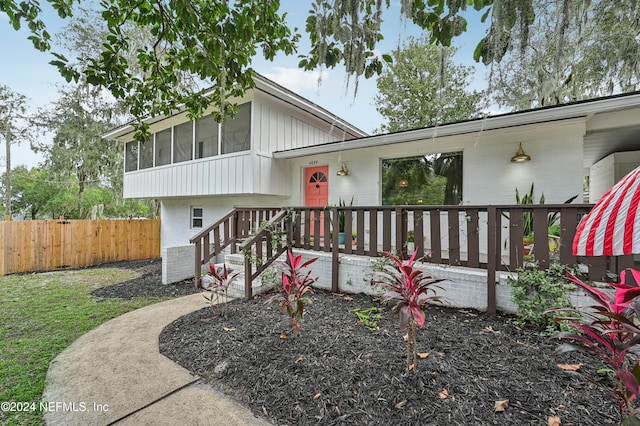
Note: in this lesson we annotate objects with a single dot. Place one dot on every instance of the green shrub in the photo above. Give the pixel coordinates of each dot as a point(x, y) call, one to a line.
point(535, 291)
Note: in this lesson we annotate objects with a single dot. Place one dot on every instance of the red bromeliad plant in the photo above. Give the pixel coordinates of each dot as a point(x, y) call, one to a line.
point(610, 330)
point(408, 289)
point(295, 284)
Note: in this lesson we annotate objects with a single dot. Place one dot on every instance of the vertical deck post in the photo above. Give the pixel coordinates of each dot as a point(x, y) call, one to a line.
point(401, 230)
point(492, 252)
point(335, 252)
point(248, 291)
point(198, 256)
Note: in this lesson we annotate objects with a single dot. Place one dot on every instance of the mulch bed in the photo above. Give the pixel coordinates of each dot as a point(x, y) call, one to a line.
point(337, 371)
point(149, 284)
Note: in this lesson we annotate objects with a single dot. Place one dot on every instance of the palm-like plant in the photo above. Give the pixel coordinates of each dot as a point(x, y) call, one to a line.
point(610, 330)
point(408, 289)
point(295, 284)
point(221, 280)
point(342, 213)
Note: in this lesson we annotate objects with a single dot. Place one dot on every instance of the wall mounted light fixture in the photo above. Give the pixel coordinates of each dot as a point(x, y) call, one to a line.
point(343, 170)
point(520, 156)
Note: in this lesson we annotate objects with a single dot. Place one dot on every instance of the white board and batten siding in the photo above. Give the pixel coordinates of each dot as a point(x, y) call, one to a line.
point(280, 126)
point(229, 174)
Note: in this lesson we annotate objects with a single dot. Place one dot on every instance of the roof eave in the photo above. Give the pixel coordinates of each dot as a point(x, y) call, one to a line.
point(558, 113)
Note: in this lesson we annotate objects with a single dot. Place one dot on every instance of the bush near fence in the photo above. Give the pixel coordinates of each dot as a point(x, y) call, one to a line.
point(48, 245)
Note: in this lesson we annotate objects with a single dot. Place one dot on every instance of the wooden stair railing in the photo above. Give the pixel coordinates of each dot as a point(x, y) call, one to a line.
point(263, 248)
point(229, 230)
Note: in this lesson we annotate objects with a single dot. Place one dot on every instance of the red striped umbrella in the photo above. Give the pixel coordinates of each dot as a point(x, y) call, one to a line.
point(612, 227)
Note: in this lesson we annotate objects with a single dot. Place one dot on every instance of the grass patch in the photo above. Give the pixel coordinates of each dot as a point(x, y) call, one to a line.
point(41, 315)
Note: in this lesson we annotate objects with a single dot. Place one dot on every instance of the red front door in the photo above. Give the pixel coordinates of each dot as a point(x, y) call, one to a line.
point(316, 191)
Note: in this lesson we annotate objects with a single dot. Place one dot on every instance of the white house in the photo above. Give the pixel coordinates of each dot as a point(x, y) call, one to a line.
point(282, 150)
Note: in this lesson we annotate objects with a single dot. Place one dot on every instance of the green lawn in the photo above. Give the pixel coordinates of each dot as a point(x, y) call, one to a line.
point(40, 315)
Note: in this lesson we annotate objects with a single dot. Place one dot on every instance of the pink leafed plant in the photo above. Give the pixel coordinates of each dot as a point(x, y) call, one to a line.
point(222, 279)
point(408, 289)
point(295, 285)
point(610, 329)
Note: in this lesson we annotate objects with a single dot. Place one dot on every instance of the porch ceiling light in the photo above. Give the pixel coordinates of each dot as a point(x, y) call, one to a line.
point(404, 183)
point(343, 170)
point(520, 156)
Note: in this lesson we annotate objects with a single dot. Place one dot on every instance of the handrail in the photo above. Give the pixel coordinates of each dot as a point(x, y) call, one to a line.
point(254, 255)
point(217, 224)
point(232, 227)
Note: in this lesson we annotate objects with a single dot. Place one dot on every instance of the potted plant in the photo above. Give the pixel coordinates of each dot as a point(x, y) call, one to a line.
point(527, 242)
point(341, 219)
point(554, 238)
point(527, 221)
point(411, 242)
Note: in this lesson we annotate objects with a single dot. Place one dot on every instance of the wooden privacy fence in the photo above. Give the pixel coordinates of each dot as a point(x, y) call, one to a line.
point(48, 245)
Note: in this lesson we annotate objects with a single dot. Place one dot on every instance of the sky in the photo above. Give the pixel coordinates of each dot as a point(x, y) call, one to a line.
point(26, 71)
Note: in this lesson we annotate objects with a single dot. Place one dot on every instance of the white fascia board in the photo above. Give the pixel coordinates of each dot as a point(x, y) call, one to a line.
point(579, 110)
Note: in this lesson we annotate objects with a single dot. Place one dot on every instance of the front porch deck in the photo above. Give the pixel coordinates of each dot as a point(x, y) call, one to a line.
point(485, 237)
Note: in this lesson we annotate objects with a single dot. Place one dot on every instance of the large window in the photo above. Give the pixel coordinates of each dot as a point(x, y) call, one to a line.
point(131, 156)
point(433, 179)
point(163, 147)
point(207, 137)
point(183, 142)
point(236, 133)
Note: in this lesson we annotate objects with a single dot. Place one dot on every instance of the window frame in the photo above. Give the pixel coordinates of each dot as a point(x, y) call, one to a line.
point(195, 217)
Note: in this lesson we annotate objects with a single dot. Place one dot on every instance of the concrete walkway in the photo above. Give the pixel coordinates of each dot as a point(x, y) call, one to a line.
point(115, 374)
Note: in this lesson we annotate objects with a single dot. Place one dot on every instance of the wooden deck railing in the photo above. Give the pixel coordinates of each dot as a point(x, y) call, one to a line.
point(487, 237)
point(473, 236)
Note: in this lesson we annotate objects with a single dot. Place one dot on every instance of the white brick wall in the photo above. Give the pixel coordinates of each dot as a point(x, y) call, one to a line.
point(178, 262)
point(463, 287)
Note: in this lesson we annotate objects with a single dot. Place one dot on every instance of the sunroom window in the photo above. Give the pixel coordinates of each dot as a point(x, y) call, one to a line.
point(146, 154)
point(192, 140)
point(131, 156)
point(163, 147)
point(183, 142)
point(207, 137)
point(236, 132)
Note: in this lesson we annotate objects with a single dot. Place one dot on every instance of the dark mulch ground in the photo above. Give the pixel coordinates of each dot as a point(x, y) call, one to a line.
point(339, 372)
point(148, 284)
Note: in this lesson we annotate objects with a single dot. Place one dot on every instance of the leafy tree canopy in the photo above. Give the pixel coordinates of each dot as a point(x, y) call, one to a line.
point(14, 121)
point(595, 54)
point(215, 41)
point(30, 190)
point(423, 87)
